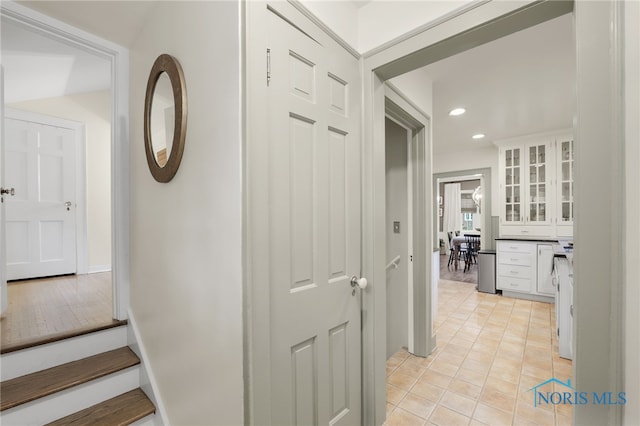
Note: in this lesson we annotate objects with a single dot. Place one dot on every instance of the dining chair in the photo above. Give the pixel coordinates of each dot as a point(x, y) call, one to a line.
point(473, 247)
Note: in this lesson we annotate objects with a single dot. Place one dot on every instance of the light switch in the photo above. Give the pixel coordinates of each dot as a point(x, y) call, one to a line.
point(396, 227)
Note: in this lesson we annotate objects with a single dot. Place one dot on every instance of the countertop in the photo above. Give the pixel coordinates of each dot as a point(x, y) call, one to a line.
point(541, 239)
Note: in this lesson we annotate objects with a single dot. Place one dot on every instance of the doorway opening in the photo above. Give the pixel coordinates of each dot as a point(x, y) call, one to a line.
point(85, 82)
point(383, 71)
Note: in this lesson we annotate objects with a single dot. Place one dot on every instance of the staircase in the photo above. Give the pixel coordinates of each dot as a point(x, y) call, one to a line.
point(89, 379)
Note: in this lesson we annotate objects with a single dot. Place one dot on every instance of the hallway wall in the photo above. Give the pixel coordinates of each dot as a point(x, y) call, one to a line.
point(397, 243)
point(186, 235)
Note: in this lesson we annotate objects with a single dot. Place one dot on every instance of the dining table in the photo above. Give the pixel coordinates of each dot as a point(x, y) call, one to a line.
point(457, 242)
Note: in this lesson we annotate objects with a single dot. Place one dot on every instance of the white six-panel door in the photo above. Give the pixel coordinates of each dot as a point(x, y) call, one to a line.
point(314, 193)
point(39, 162)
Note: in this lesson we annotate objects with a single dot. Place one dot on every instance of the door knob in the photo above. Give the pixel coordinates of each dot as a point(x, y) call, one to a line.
point(361, 283)
point(8, 191)
point(68, 205)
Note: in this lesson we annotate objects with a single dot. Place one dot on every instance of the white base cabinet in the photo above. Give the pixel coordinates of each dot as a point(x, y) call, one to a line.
point(524, 269)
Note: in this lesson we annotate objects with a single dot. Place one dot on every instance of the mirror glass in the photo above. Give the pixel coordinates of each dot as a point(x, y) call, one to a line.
point(162, 120)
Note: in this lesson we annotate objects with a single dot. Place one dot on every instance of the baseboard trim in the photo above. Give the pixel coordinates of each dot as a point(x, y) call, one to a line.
point(148, 381)
point(99, 268)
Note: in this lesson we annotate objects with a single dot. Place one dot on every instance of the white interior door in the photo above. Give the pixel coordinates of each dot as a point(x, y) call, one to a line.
point(40, 218)
point(3, 255)
point(314, 192)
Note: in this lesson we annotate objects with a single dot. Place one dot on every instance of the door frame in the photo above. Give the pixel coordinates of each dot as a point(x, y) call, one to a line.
point(82, 258)
point(400, 109)
point(484, 175)
point(599, 322)
point(118, 56)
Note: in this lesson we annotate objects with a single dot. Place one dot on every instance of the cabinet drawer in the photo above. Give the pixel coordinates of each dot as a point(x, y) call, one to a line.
point(521, 259)
point(525, 230)
point(515, 271)
point(515, 247)
point(514, 284)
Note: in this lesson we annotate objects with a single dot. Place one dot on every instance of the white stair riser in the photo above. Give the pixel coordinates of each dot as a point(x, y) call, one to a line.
point(61, 404)
point(26, 361)
point(147, 421)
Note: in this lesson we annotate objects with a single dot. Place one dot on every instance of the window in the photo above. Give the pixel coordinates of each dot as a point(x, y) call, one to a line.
point(467, 221)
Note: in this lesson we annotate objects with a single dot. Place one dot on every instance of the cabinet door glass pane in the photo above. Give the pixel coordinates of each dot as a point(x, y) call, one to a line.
point(509, 176)
point(516, 194)
point(508, 161)
point(533, 216)
point(542, 213)
point(565, 151)
point(516, 212)
point(541, 154)
point(516, 175)
point(533, 175)
point(533, 194)
point(565, 172)
point(541, 193)
point(516, 157)
point(509, 213)
point(566, 212)
point(566, 194)
point(532, 155)
point(509, 194)
point(541, 173)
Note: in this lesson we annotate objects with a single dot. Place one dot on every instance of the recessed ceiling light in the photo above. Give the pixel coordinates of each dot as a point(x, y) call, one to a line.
point(457, 111)
point(478, 136)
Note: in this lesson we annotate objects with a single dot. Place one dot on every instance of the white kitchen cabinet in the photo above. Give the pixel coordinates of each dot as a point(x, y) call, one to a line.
point(563, 278)
point(525, 182)
point(524, 269)
point(536, 186)
point(564, 201)
point(544, 280)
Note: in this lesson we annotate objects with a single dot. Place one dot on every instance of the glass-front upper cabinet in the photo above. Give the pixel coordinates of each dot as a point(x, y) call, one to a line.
point(565, 181)
point(537, 196)
point(525, 183)
point(512, 185)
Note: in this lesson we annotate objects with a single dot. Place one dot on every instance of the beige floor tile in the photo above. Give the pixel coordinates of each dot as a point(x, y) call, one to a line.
point(498, 399)
point(464, 388)
point(400, 417)
point(533, 414)
point(390, 408)
point(444, 367)
point(505, 373)
point(436, 378)
point(492, 416)
point(475, 422)
point(394, 395)
point(443, 416)
point(427, 390)
point(414, 370)
point(417, 405)
point(458, 403)
point(401, 381)
point(471, 376)
point(497, 384)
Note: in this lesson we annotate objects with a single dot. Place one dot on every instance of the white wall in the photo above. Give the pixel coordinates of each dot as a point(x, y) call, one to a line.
point(94, 110)
point(186, 235)
point(340, 16)
point(417, 86)
point(379, 21)
point(382, 21)
point(632, 136)
point(397, 243)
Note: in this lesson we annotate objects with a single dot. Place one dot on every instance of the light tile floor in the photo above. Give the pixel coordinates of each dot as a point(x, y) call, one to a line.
point(491, 350)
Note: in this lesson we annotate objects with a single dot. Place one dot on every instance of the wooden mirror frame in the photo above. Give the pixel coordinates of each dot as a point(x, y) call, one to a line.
point(170, 65)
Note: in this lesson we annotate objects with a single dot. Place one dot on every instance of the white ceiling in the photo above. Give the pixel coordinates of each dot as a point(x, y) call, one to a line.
point(517, 85)
point(37, 67)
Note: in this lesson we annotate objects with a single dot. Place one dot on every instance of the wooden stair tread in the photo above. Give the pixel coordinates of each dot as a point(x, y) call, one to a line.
point(46, 382)
point(122, 410)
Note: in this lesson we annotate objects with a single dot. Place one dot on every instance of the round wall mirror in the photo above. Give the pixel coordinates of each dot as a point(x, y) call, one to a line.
point(165, 118)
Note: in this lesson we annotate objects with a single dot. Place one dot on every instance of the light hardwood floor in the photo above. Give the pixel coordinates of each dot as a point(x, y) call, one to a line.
point(44, 308)
point(491, 350)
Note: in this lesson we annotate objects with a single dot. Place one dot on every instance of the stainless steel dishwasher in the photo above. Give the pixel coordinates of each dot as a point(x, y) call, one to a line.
point(487, 271)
